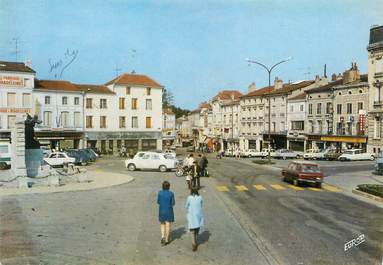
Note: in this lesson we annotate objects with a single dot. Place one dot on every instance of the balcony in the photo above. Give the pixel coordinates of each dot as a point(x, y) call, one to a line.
point(378, 103)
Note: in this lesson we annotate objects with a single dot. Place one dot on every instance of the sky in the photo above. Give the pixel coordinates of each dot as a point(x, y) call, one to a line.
point(194, 48)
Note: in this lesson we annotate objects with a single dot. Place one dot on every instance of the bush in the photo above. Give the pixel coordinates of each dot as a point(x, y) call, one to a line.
point(374, 189)
point(263, 162)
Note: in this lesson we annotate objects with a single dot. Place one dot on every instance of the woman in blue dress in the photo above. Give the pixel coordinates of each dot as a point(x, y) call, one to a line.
point(166, 201)
point(194, 215)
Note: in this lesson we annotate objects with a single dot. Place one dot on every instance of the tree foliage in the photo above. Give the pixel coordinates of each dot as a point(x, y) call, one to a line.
point(168, 102)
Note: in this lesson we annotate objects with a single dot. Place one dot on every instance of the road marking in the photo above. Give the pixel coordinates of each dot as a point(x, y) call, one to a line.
point(222, 188)
point(315, 189)
point(294, 187)
point(330, 188)
point(259, 187)
point(277, 187)
point(241, 188)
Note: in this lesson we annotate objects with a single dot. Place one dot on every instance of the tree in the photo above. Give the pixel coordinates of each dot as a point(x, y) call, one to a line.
point(167, 99)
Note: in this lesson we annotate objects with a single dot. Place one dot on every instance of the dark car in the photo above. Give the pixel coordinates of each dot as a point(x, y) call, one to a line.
point(302, 172)
point(80, 157)
point(92, 154)
point(332, 155)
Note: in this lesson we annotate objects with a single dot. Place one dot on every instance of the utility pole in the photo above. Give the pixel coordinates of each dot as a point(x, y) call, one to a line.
point(269, 69)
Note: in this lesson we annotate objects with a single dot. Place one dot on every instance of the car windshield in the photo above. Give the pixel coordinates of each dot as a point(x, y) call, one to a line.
point(168, 156)
point(348, 152)
point(311, 169)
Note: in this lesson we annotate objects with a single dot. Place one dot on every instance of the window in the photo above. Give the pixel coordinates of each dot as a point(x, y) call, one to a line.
point(27, 98)
point(311, 124)
point(134, 103)
point(102, 121)
point(103, 103)
point(328, 108)
point(339, 109)
point(310, 108)
point(77, 101)
point(301, 107)
point(148, 122)
point(319, 108)
point(127, 90)
point(121, 103)
point(360, 106)
point(11, 99)
point(89, 121)
point(291, 108)
point(11, 121)
point(47, 118)
point(297, 125)
point(148, 91)
point(65, 118)
point(77, 119)
point(64, 100)
point(47, 100)
point(122, 122)
point(377, 128)
point(148, 104)
point(134, 122)
point(89, 103)
point(319, 126)
point(349, 108)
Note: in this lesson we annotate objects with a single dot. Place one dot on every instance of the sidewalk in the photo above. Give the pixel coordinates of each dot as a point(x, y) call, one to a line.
point(100, 179)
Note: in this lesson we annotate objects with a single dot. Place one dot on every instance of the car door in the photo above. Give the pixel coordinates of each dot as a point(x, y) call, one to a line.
point(155, 161)
point(143, 161)
point(52, 159)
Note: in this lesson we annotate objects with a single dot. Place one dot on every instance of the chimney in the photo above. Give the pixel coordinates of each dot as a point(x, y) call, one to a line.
point(278, 83)
point(317, 79)
point(251, 87)
point(352, 74)
point(133, 72)
point(333, 77)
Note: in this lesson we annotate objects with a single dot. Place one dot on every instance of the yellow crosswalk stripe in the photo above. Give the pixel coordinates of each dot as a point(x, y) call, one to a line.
point(294, 187)
point(222, 188)
point(259, 187)
point(277, 187)
point(241, 188)
point(330, 188)
point(315, 189)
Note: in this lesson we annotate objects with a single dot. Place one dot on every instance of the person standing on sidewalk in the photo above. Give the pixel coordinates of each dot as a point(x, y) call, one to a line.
point(166, 201)
point(194, 215)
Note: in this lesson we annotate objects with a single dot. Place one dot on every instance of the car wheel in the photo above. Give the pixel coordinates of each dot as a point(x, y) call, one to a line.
point(372, 158)
point(284, 158)
point(295, 182)
point(131, 167)
point(163, 168)
point(318, 185)
point(249, 156)
point(3, 165)
point(84, 163)
point(284, 179)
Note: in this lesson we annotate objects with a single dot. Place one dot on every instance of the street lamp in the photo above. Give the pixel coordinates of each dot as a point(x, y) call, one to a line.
point(268, 69)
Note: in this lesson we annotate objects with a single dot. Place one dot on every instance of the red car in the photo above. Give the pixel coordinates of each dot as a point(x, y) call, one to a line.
point(303, 172)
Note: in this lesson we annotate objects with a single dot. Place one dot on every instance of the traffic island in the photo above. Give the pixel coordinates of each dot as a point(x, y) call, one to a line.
point(263, 162)
point(371, 191)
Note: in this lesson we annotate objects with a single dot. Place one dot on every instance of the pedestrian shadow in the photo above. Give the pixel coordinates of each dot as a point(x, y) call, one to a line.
point(178, 233)
point(204, 237)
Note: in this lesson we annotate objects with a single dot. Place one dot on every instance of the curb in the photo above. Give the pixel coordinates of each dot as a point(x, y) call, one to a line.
point(367, 195)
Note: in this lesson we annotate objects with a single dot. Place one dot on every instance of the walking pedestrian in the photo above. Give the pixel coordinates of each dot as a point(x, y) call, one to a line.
point(203, 165)
point(166, 201)
point(194, 215)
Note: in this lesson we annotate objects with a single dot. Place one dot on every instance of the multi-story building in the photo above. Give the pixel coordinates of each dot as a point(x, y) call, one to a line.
point(375, 79)
point(168, 127)
point(16, 87)
point(60, 107)
point(184, 131)
point(336, 112)
point(296, 119)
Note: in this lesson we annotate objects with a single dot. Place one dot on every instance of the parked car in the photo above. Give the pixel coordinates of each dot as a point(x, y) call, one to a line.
point(151, 160)
point(265, 153)
point(5, 155)
point(251, 153)
point(80, 157)
point(89, 153)
point(190, 149)
point(332, 155)
point(46, 150)
point(92, 153)
point(314, 154)
point(169, 152)
point(285, 153)
point(59, 159)
point(379, 164)
point(303, 172)
point(356, 154)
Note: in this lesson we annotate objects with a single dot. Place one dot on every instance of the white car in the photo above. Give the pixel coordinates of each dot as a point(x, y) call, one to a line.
point(356, 154)
point(5, 155)
point(169, 152)
point(251, 153)
point(285, 153)
point(58, 159)
point(151, 160)
point(314, 154)
point(265, 153)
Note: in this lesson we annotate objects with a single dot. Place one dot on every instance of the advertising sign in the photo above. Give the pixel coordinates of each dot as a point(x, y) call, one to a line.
point(11, 81)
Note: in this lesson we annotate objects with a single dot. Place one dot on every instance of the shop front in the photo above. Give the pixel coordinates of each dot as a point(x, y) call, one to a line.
point(339, 142)
point(277, 141)
point(60, 139)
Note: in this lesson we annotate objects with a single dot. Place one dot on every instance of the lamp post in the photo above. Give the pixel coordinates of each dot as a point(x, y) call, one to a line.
point(269, 70)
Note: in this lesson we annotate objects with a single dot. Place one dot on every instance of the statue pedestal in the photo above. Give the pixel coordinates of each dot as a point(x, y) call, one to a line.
point(18, 149)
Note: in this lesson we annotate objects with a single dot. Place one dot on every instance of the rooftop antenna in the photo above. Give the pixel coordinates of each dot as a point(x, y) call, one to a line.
point(307, 73)
point(17, 51)
point(325, 71)
point(117, 70)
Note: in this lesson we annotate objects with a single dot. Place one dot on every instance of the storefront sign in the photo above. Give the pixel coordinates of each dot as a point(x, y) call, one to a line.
point(344, 139)
point(362, 123)
point(15, 110)
point(11, 81)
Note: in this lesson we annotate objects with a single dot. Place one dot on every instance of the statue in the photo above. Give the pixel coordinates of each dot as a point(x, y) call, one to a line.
point(30, 142)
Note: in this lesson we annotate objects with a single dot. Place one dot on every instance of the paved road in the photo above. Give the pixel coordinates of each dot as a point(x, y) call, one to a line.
point(305, 226)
